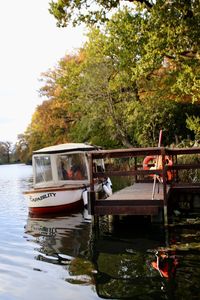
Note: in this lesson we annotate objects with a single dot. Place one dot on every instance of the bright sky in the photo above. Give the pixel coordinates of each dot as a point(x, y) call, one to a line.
point(30, 44)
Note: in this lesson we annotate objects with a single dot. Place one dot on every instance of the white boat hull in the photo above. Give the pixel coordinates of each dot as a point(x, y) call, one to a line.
point(58, 199)
point(51, 200)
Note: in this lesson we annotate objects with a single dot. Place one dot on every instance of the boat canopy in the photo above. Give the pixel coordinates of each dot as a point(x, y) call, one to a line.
point(68, 147)
point(62, 164)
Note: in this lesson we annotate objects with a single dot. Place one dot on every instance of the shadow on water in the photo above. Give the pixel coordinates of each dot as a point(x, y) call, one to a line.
point(127, 258)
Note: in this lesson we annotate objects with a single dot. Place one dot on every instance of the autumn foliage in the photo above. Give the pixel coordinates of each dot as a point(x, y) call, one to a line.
point(137, 73)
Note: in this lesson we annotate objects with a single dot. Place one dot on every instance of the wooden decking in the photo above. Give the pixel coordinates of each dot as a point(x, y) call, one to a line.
point(138, 191)
point(132, 200)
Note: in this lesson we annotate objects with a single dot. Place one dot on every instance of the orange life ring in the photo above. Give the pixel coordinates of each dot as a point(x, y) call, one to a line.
point(152, 160)
point(147, 161)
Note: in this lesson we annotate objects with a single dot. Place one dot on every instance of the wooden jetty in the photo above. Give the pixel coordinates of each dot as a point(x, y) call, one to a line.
point(132, 200)
point(144, 197)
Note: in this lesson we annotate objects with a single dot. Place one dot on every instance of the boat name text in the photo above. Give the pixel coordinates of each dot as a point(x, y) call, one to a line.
point(42, 197)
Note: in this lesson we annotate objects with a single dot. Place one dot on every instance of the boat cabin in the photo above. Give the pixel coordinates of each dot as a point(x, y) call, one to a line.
point(62, 164)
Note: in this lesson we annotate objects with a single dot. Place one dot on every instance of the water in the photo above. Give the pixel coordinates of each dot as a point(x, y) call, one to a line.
point(64, 258)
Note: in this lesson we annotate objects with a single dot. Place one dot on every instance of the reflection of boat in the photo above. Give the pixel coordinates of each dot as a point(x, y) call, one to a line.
point(60, 238)
point(61, 178)
point(63, 241)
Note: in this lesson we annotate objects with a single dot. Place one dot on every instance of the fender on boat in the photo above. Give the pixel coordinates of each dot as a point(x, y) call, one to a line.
point(86, 215)
point(107, 187)
point(85, 197)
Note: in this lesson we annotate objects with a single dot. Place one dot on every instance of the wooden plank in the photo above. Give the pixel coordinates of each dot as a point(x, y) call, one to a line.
point(130, 152)
point(184, 187)
point(138, 191)
point(181, 151)
point(127, 173)
point(183, 166)
point(130, 202)
point(126, 210)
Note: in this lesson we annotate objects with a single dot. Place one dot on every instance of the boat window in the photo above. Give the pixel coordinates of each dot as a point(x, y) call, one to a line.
point(72, 167)
point(43, 170)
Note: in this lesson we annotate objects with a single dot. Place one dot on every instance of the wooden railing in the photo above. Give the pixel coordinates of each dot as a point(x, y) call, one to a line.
point(137, 169)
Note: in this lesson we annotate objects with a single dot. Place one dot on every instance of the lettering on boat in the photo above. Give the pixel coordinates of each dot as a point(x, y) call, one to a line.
point(42, 197)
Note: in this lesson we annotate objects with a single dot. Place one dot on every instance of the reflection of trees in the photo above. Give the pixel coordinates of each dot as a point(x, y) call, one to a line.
point(123, 257)
point(123, 262)
point(81, 271)
point(118, 260)
point(122, 275)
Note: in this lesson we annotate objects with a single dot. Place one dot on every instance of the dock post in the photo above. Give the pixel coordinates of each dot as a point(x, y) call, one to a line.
point(91, 200)
point(164, 175)
point(135, 168)
point(91, 193)
point(95, 218)
point(176, 171)
point(165, 215)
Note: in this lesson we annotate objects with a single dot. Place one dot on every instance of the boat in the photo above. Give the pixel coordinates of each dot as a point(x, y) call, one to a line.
point(61, 178)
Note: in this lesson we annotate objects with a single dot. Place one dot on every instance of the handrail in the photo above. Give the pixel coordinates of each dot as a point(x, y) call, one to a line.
point(129, 152)
point(132, 152)
point(126, 173)
point(141, 152)
point(138, 152)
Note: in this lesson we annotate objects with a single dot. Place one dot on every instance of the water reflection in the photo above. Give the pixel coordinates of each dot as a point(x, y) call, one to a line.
point(62, 240)
point(64, 235)
point(139, 261)
point(122, 256)
point(124, 259)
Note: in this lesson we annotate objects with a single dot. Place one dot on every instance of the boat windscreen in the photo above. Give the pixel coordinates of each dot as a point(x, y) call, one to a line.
point(72, 167)
point(43, 172)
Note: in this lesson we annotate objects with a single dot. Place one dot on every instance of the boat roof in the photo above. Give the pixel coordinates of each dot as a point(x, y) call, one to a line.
point(68, 147)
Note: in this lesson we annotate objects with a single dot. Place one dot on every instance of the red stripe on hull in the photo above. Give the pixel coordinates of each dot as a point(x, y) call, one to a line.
point(38, 211)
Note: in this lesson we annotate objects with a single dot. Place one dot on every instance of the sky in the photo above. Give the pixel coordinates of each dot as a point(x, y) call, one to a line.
point(31, 43)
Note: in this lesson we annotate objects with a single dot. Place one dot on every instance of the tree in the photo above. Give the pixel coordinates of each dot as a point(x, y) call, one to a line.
point(135, 74)
point(170, 30)
point(21, 150)
point(131, 107)
point(49, 125)
point(5, 151)
point(104, 94)
point(87, 11)
point(193, 123)
point(109, 95)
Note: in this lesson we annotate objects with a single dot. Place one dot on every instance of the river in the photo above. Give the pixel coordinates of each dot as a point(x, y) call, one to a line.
point(64, 258)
